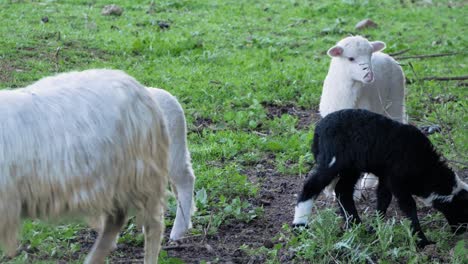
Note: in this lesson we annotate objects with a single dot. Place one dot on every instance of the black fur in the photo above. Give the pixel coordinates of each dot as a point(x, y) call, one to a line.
point(400, 155)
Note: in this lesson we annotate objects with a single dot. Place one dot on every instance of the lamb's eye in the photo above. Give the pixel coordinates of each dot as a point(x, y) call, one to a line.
point(351, 59)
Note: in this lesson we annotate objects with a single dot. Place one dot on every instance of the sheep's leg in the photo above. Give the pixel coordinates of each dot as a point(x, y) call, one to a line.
point(384, 198)
point(106, 239)
point(153, 227)
point(344, 192)
point(316, 181)
point(329, 191)
point(184, 185)
point(10, 237)
point(408, 207)
point(10, 211)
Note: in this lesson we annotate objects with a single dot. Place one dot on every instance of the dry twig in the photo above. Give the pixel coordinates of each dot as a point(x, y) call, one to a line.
point(178, 246)
point(56, 58)
point(427, 56)
point(452, 78)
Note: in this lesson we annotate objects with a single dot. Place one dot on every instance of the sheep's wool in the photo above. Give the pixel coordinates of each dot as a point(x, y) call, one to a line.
point(82, 142)
point(180, 167)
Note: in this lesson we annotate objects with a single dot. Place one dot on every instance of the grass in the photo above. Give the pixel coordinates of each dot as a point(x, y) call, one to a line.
point(227, 60)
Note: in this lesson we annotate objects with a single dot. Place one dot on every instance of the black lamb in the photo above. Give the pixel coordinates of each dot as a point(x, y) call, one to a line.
point(352, 141)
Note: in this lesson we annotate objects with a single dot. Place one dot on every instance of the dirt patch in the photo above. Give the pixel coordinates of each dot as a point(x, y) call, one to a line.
point(6, 69)
point(200, 124)
point(306, 117)
point(277, 195)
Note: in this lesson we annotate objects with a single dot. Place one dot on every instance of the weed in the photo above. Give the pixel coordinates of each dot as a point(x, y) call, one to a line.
point(226, 61)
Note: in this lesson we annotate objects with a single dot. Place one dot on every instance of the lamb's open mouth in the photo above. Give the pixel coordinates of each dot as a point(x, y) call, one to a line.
point(369, 77)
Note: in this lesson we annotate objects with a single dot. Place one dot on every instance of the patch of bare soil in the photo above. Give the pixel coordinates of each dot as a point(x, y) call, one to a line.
point(6, 69)
point(306, 117)
point(277, 195)
point(200, 124)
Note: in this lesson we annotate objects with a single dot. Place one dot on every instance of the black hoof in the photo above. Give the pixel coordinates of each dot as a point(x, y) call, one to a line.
point(370, 229)
point(423, 243)
point(296, 228)
point(298, 225)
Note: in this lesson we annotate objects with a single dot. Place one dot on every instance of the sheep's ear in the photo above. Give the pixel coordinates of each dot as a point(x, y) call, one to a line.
point(335, 51)
point(377, 46)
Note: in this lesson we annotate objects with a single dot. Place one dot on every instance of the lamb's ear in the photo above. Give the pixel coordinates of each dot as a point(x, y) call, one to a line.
point(335, 51)
point(378, 46)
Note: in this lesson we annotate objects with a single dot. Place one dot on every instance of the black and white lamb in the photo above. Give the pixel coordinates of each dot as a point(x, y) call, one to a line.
point(349, 142)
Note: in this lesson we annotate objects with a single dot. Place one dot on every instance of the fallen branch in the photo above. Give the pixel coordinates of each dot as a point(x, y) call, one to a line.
point(435, 78)
point(127, 261)
point(458, 162)
point(453, 78)
point(56, 59)
point(427, 56)
point(398, 52)
point(176, 247)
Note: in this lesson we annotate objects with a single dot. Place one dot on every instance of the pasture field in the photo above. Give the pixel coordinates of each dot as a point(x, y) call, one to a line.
point(249, 76)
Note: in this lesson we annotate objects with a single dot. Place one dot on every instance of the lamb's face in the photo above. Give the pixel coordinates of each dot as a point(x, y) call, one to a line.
point(455, 211)
point(355, 53)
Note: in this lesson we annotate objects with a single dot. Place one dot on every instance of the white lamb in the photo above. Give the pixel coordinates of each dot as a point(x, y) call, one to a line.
point(89, 143)
point(180, 167)
point(362, 77)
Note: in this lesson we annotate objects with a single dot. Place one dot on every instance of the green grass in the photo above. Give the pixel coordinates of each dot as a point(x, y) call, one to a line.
point(391, 242)
point(223, 59)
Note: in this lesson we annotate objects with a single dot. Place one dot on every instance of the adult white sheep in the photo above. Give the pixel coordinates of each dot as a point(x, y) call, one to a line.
point(360, 76)
point(180, 168)
point(89, 143)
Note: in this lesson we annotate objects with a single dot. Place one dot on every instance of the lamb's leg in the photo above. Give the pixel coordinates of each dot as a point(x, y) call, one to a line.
point(184, 185)
point(344, 192)
point(153, 227)
point(316, 181)
point(408, 207)
point(329, 191)
point(384, 197)
point(369, 180)
point(106, 239)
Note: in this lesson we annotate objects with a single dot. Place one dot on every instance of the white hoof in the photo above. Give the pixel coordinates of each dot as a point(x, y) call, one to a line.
point(302, 212)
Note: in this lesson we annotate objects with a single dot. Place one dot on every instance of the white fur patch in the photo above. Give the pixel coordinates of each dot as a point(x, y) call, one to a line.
point(329, 191)
point(333, 160)
point(369, 181)
point(302, 212)
point(460, 185)
point(434, 196)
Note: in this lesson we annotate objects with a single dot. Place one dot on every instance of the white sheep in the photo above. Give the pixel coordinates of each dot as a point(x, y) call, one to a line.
point(89, 143)
point(362, 77)
point(180, 168)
